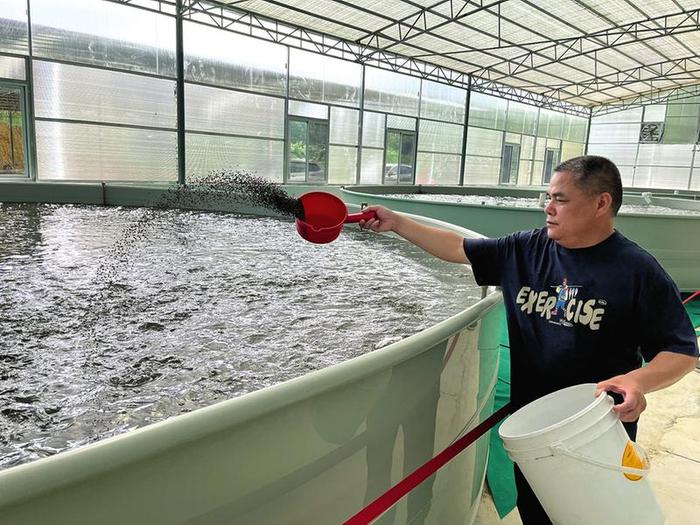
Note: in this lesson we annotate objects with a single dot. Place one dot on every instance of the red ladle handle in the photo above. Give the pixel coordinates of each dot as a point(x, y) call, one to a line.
point(362, 216)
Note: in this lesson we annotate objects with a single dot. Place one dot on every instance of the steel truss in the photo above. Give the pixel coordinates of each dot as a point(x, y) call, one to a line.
point(490, 72)
point(565, 48)
point(681, 70)
point(558, 93)
point(541, 52)
point(227, 17)
point(644, 100)
point(417, 24)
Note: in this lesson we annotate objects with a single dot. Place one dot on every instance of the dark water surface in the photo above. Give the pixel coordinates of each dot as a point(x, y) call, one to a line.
point(103, 330)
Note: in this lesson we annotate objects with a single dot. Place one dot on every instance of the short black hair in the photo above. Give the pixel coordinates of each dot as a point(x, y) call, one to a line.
point(595, 175)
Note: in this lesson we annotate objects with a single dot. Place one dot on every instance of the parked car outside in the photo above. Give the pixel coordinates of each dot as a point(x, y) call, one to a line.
point(297, 171)
point(405, 173)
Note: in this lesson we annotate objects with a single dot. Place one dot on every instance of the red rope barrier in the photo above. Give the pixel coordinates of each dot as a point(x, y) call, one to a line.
point(688, 299)
point(415, 478)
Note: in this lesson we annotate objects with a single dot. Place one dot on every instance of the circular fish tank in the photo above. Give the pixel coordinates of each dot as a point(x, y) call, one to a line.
point(212, 367)
point(116, 318)
point(668, 226)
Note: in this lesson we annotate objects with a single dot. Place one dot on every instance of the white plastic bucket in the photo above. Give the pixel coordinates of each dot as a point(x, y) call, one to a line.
point(579, 461)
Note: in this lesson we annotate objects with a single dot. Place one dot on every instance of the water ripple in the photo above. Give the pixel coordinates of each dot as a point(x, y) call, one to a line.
point(102, 333)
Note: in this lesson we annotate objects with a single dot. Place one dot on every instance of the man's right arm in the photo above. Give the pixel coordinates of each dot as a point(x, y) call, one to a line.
point(444, 244)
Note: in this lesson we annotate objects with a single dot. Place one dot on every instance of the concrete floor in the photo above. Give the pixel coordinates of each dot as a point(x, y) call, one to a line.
point(669, 430)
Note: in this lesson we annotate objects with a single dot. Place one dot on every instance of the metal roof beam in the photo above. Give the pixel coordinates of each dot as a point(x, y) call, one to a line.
point(469, 49)
point(370, 50)
point(646, 99)
point(587, 44)
point(221, 15)
point(644, 43)
point(533, 53)
point(416, 23)
point(512, 93)
point(370, 54)
point(665, 70)
point(674, 37)
point(167, 7)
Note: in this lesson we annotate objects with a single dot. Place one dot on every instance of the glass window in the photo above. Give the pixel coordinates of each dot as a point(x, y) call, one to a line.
point(551, 124)
point(569, 150)
point(522, 118)
point(391, 92)
point(616, 117)
point(440, 137)
point(206, 153)
point(344, 124)
point(551, 160)
point(656, 177)
point(513, 138)
point(219, 57)
point(307, 109)
point(540, 145)
point(525, 173)
point(342, 165)
point(484, 142)
point(486, 111)
point(655, 113)
point(371, 166)
point(665, 154)
point(537, 168)
point(620, 154)
point(104, 33)
point(481, 170)
point(324, 79)
point(373, 129)
point(69, 92)
point(396, 122)
point(626, 175)
point(614, 133)
point(510, 163)
point(308, 151)
point(695, 180)
point(223, 111)
point(575, 128)
point(442, 102)
point(84, 152)
point(14, 28)
point(12, 136)
point(400, 152)
point(554, 143)
point(527, 147)
point(682, 121)
point(12, 67)
point(437, 168)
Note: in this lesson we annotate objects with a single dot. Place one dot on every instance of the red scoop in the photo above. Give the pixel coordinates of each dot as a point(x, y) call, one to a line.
point(324, 216)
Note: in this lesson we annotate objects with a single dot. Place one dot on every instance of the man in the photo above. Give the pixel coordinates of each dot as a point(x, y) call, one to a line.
point(618, 305)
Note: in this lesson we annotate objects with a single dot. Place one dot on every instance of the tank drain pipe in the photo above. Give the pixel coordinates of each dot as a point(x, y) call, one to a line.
point(104, 199)
point(415, 478)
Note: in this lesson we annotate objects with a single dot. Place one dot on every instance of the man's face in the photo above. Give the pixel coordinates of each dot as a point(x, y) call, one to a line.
point(571, 212)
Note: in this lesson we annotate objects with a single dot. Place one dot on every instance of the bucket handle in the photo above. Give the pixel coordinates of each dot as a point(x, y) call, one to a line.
point(561, 449)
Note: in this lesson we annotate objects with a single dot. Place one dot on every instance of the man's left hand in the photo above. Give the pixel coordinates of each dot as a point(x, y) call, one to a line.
point(634, 401)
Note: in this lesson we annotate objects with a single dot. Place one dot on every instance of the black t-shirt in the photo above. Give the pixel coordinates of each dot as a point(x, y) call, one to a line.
point(579, 315)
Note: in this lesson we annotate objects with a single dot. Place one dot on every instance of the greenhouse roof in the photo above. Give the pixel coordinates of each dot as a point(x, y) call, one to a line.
point(561, 52)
